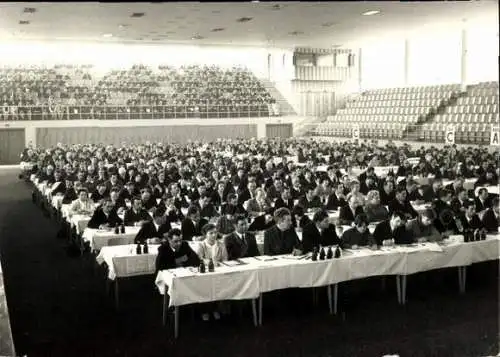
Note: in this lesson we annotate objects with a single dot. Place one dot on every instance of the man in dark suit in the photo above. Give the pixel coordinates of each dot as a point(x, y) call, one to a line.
point(105, 216)
point(136, 216)
point(175, 253)
point(240, 243)
point(347, 213)
point(386, 193)
point(319, 232)
point(393, 228)
point(401, 204)
point(432, 192)
point(192, 224)
point(281, 238)
point(359, 235)
point(482, 200)
point(309, 200)
point(457, 203)
point(285, 200)
point(469, 219)
point(491, 218)
point(336, 199)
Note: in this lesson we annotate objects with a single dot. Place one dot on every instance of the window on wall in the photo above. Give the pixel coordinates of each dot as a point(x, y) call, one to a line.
point(435, 58)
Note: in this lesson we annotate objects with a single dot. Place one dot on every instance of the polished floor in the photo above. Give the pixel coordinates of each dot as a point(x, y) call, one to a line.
point(59, 307)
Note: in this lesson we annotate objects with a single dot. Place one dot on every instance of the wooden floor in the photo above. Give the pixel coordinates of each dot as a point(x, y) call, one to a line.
point(59, 307)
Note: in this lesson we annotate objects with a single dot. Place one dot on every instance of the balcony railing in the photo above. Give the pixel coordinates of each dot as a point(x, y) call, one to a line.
point(121, 112)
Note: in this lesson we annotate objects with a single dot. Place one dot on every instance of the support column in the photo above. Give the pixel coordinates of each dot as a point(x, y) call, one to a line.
point(29, 135)
point(360, 70)
point(407, 62)
point(463, 62)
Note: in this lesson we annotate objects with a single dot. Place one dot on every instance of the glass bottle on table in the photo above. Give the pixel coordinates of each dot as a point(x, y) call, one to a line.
point(329, 253)
point(122, 229)
point(322, 254)
point(201, 267)
point(117, 229)
point(145, 248)
point(138, 249)
point(211, 266)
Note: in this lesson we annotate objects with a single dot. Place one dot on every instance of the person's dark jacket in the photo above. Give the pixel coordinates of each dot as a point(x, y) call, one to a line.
point(99, 218)
point(169, 259)
point(278, 242)
point(241, 247)
point(400, 235)
point(312, 237)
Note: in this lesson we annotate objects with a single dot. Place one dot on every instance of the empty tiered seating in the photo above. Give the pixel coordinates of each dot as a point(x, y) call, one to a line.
point(387, 113)
point(471, 115)
point(141, 92)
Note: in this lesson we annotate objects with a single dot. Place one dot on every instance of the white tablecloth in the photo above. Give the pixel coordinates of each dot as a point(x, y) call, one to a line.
point(285, 271)
point(100, 238)
point(123, 261)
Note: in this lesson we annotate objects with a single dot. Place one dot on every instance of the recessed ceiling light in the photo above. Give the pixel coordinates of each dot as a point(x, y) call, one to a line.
point(197, 37)
point(296, 33)
point(24, 22)
point(29, 10)
point(328, 24)
point(137, 14)
point(218, 29)
point(371, 12)
point(244, 19)
point(107, 35)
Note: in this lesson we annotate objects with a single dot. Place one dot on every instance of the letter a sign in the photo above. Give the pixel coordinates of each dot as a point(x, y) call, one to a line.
point(355, 132)
point(449, 135)
point(494, 137)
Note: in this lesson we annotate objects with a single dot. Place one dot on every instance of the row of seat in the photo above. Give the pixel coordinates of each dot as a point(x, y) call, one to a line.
point(395, 103)
point(472, 109)
point(467, 118)
point(353, 119)
point(399, 96)
point(368, 130)
point(473, 99)
point(436, 88)
point(385, 110)
point(464, 134)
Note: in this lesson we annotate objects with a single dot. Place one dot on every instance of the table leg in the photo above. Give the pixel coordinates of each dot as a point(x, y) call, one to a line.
point(254, 312)
point(176, 322)
point(403, 289)
point(464, 278)
point(461, 278)
point(117, 300)
point(398, 287)
point(165, 309)
point(330, 302)
point(335, 297)
point(261, 297)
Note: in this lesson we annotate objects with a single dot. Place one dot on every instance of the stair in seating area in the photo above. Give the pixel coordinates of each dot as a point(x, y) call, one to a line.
point(472, 115)
point(388, 113)
point(284, 106)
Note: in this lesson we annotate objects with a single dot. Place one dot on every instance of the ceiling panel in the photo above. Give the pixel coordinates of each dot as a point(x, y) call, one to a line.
point(290, 24)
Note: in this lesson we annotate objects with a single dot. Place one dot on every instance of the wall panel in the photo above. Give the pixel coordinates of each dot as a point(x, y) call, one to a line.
point(47, 137)
point(11, 145)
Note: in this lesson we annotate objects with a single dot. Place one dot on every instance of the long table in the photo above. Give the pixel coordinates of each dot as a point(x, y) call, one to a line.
point(185, 285)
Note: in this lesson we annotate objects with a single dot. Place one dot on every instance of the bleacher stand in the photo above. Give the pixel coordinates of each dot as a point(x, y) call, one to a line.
point(141, 92)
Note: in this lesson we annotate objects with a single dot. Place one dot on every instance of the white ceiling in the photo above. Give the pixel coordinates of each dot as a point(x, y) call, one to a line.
point(314, 24)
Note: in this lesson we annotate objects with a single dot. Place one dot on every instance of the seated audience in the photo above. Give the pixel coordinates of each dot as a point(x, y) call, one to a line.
point(175, 253)
point(240, 243)
point(374, 211)
point(393, 229)
point(193, 223)
point(422, 228)
point(105, 216)
point(319, 232)
point(347, 213)
point(82, 205)
point(136, 215)
point(281, 238)
point(491, 217)
point(359, 235)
